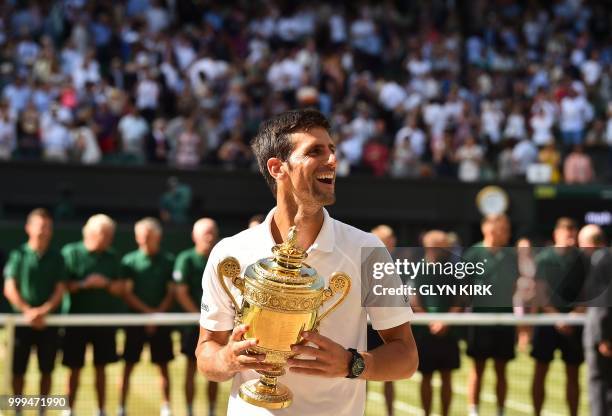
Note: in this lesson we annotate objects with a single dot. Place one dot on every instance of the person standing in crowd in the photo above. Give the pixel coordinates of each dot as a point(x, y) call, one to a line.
point(496, 342)
point(387, 236)
point(598, 326)
point(147, 272)
point(188, 270)
point(175, 203)
point(561, 272)
point(95, 287)
point(34, 284)
point(438, 347)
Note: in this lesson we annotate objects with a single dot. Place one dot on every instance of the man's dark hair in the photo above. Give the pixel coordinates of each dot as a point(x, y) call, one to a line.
point(272, 139)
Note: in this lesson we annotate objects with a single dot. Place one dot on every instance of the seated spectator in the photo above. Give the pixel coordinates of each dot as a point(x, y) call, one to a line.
point(28, 134)
point(158, 144)
point(524, 154)
point(541, 124)
point(234, 152)
point(8, 132)
point(188, 146)
point(549, 155)
point(55, 135)
point(85, 146)
point(578, 167)
point(376, 156)
point(576, 112)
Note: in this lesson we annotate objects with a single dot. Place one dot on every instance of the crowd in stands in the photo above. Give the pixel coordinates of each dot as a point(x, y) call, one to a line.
point(475, 90)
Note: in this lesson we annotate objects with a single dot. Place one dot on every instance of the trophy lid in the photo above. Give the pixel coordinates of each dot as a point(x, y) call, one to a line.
point(287, 265)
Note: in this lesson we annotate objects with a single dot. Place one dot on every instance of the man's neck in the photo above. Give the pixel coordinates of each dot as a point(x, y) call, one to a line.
point(36, 247)
point(308, 221)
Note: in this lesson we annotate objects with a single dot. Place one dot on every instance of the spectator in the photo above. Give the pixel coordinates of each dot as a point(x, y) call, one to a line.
point(34, 282)
point(147, 272)
point(133, 129)
point(94, 287)
point(28, 134)
point(469, 156)
point(561, 270)
point(578, 167)
point(55, 136)
point(576, 112)
point(234, 152)
point(175, 202)
point(8, 132)
point(189, 146)
point(541, 124)
point(158, 142)
point(550, 156)
point(523, 155)
point(86, 149)
point(188, 270)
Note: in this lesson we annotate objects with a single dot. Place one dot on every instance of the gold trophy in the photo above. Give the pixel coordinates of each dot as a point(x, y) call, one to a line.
point(281, 297)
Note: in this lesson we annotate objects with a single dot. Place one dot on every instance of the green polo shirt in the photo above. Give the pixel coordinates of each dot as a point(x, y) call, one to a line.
point(150, 274)
point(500, 271)
point(80, 263)
point(564, 273)
point(36, 276)
point(188, 270)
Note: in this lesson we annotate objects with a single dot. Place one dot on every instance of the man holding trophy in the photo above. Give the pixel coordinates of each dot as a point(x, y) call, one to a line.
point(292, 334)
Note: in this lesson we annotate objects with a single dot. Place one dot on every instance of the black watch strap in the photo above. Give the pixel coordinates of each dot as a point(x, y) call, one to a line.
point(356, 365)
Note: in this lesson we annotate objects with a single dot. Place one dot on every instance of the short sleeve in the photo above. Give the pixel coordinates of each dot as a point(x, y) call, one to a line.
point(11, 269)
point(385, 311)
point(216, 309)
point(67, 255)
point(126, 271)
point(180, 269)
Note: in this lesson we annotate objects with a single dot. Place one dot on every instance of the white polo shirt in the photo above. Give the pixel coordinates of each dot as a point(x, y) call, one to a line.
point(336, 248)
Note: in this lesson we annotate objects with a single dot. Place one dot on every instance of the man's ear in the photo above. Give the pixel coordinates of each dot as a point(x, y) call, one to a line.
point(275, 168)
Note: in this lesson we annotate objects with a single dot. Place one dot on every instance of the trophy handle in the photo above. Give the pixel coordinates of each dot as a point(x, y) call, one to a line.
point(338, 282)
point(230, 267)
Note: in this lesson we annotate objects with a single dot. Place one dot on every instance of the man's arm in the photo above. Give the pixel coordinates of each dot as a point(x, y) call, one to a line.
point(221, 354)
point(14, 297)
point(166, 303)
point(395, 360)
point(182, 297)
point(133, 301)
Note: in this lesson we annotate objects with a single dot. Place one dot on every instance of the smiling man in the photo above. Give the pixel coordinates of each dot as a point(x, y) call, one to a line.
point(296, 156)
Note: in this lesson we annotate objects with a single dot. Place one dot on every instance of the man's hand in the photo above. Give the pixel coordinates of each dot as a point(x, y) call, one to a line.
point(234, 353)
point(438, 328)
point(605, 348)
point(330, 358)
point(35, 317)
point(564, 329)
point(96, 281)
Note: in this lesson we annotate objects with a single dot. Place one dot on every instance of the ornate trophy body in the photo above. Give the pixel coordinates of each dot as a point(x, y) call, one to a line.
point(281, 297)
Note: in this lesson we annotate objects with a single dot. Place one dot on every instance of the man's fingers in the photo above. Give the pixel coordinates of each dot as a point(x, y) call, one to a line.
point(249, 359)
point(238, 332)
point(309, 351)
point(316, 338)
point(240, 346)
point(312, 364)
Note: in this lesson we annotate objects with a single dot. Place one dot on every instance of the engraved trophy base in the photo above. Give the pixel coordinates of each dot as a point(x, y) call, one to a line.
point(266, 392)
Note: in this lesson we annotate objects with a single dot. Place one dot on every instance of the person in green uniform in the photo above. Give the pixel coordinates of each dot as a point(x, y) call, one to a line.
point(561, 270)
point(188, 270)
point(95, 287)
point(34, 284)
point(495, 342)
point(437, 344)
point(148, 289)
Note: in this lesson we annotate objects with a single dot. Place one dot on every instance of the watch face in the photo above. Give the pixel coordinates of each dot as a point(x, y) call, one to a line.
point(358, 366)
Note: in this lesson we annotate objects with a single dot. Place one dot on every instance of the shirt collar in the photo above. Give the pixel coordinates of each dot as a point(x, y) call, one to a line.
point(324, 242)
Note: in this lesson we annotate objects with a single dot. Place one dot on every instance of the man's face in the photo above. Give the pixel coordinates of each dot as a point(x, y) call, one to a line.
point(497, 231)
point(148, 239)
point(565, 236)
point(40, 230)
point(311, 168)
point(204, 235)
point(100, 238)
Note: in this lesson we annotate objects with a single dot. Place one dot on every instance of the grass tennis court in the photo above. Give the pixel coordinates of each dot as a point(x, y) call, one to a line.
point(145, 393)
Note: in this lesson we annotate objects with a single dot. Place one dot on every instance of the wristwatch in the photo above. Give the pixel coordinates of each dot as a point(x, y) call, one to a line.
point(356, 365)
